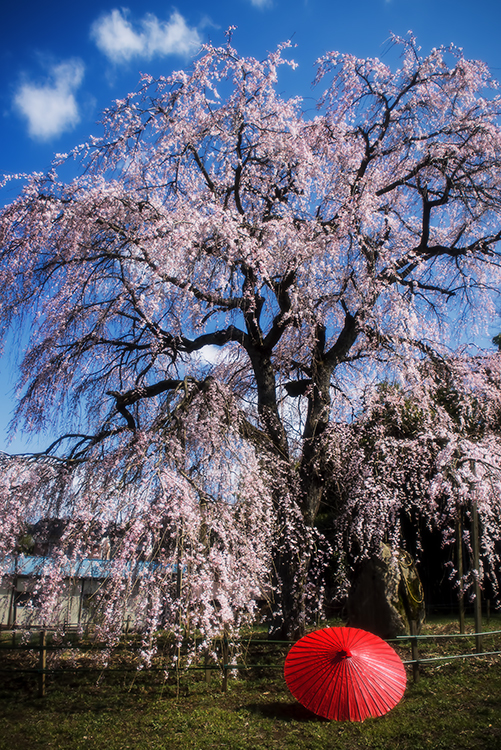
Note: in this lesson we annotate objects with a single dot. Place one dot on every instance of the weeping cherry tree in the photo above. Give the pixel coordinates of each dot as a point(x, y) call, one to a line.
point(206, 300)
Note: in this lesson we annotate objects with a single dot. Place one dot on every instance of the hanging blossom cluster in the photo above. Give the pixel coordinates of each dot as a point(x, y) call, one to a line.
point(425, 455)
point(186, 536)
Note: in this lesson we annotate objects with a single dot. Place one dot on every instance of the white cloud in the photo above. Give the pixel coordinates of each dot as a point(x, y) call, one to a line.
point(261, 3)
point(116, 37)
point(51, 108)
point(211, 355)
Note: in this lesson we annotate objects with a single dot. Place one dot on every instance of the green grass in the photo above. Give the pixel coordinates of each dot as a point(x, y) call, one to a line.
point(453, 706)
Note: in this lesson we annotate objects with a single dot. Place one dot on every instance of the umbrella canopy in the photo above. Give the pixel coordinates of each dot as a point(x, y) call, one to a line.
point(345, 674)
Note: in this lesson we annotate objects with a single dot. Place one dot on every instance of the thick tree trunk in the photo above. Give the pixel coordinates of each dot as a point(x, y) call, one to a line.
point(292, 559)
point(299, 489)
point(287, 617)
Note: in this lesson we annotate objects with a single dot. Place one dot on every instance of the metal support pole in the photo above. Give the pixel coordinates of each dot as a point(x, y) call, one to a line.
point(476, 566)
point(459, 547)
point(475, 543)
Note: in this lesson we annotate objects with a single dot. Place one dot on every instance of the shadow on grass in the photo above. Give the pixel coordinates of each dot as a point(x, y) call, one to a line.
point(284, 711)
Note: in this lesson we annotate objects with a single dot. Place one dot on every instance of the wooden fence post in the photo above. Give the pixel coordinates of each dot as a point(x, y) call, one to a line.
point(414, 651)
point(208, 672)
point(225, 656)
point(42, 664)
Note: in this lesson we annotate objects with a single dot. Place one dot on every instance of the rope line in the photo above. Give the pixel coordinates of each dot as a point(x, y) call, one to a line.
point(444, 635)
point(449, 658)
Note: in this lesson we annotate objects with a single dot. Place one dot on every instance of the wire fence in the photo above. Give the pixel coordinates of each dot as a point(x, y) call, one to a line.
point(226, 656)
point(418, 660)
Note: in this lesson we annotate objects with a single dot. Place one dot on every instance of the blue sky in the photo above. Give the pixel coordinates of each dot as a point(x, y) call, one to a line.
point(62, 63)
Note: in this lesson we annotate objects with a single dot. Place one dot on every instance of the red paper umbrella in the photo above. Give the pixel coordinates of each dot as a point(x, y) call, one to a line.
point(345, 674)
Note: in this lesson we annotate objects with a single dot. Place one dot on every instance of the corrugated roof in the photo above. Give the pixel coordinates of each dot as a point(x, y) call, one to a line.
point(35, 565)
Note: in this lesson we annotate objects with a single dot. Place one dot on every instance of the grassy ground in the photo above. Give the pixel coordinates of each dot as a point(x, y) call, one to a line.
point(453, 706)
